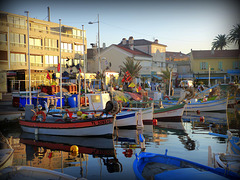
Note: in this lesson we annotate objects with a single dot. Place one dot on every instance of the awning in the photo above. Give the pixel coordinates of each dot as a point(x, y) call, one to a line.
point(211, 77)
point(185, 76)
point(146, 75)
point(159, 78)
point(234, 71)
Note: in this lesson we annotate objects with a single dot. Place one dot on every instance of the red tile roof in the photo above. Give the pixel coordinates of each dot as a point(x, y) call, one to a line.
point(204, 54)
point(176, 55)
point(134, 51)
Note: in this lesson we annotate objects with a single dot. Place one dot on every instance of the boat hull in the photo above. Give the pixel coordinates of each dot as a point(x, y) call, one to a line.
point(169, 167)
point(169, 114)
point(95, 127)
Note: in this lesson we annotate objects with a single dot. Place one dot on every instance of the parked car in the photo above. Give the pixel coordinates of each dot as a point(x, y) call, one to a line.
point(186, 83)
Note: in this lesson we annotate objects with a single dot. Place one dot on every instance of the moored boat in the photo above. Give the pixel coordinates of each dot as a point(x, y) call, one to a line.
point(158, 166)
point(169, 114)
point(6, 152)
point(67, 125)
point(27, 172)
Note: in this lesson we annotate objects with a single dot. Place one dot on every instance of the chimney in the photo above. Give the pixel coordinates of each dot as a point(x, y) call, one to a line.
point(48, 13)
point(124, 41)
point(131, 42)
point(156, 41)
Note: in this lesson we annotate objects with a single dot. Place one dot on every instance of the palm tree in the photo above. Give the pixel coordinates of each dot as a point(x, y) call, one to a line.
point(132, 67)
point(219, 42)
point(166, 77)
point(234, 35)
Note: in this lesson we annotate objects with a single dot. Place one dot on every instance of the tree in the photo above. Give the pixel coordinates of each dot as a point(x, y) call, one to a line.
point(220, 42)
point(166, 77)
point(132, 67)
point(234, 35)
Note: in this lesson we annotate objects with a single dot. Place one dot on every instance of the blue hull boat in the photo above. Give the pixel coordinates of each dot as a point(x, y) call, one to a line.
point(157, 166)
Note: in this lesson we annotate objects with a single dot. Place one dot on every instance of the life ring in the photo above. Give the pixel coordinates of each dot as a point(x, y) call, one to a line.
point(39, 113)
point(166, 97)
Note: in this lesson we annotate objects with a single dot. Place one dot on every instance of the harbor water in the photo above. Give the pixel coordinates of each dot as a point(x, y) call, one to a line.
point(112, 158)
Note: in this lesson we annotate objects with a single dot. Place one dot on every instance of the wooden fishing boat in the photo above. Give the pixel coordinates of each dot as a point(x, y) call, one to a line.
point(39, 123)
point(213, 105)
point(27, 172)
point(6, 152)
point(158, 166)
point(227, 161)
point(169, 114)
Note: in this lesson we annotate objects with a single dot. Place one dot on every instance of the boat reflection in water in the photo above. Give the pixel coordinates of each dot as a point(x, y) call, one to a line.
point(212, 121)
point(53, 152)
point(162, 129)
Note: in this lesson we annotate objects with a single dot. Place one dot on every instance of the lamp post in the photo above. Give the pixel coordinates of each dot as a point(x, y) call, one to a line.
point(209, 83)
point(29, 63)
point(99, 67)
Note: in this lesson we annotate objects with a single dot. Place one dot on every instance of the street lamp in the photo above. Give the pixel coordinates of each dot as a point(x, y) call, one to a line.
point(99, 67)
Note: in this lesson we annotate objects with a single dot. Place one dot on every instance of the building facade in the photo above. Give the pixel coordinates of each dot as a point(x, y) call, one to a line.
point(221, 66)
point(44, 50)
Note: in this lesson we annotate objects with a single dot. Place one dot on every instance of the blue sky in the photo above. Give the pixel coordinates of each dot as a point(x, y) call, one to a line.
point(181, 25)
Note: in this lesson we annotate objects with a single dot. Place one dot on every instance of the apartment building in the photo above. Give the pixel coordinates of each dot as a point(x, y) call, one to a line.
point(44, 50)
point(222, 65)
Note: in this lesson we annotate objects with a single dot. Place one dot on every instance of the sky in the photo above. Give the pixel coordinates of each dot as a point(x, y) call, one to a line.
point(182, 25)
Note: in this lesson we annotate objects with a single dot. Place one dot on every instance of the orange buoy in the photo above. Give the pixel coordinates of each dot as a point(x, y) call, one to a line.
point(155, 122)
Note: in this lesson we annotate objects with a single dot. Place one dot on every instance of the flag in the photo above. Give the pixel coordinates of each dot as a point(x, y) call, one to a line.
point(58, 68)
point(131, 85)
point(139, 89)
point(124, 78)
point(48, 76)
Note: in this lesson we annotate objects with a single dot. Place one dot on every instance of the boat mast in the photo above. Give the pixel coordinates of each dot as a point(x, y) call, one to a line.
point(84, 67)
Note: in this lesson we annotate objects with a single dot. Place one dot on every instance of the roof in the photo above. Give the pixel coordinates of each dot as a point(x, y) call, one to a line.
point(204, 54)
point(176, 55)
point(134, 51)
point(139, 42)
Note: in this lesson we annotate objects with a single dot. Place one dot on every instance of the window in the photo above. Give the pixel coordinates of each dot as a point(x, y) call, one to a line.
point(51, 44)
point(16, 22)
point(66, 47)
point(17, 39)
point(236, 65)
point(79, 49)
point(51, 61)
point(3, 39)
point(203, 65)
point(220, 65)
point(18, 59)
point(77, 33)
point(36, 60)
point(35, 43)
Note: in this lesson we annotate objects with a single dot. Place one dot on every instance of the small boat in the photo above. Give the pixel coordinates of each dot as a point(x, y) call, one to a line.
point(169, 114)
point(6, 152)
point(27, 172)
point(227, 161)
point(213, 105)
point(158, 166)
point(67, 125)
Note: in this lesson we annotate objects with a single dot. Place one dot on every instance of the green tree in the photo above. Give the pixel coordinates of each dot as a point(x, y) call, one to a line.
point(132, 67)
point(166, 77)
point(220, 42)
point(234, 35)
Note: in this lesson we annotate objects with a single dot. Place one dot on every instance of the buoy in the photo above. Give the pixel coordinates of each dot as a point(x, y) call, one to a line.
point(79, 113)
point(155, 122)
point(198, 111)
point(74, 150)
point(202, 119)
point(84, 116)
